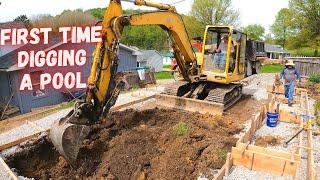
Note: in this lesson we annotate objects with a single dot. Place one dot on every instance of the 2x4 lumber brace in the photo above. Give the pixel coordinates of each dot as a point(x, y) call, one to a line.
point(8, 170)
point(310, 160)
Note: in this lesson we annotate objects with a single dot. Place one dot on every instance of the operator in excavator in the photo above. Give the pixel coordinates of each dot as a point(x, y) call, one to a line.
point(220, 55)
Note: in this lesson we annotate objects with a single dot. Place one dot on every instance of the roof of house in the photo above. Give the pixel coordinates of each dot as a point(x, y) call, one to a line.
point(10, 25)
point(275, 49)
point(135, 51)
point(146, 54)
point(167, 54)
point(8, 61)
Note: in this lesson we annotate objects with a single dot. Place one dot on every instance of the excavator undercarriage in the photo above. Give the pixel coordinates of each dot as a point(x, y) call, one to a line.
point(224, 95)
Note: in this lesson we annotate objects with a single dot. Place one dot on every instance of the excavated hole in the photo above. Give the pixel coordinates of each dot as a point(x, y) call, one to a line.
point(143, 144)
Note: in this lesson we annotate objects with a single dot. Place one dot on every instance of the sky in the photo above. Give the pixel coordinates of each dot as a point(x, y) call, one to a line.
point(251, 11)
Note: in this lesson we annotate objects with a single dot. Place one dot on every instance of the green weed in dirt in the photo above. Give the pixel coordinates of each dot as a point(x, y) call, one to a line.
point(222, 154)
point(181, 129)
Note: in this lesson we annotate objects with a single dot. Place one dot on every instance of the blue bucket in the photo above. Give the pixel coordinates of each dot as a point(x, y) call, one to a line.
point(272, 119)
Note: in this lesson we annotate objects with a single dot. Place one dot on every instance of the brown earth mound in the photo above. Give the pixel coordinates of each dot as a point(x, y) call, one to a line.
point(152, 144)
point(264, 141)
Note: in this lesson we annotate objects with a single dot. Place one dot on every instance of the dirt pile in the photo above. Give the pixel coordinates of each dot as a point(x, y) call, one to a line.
point(151, 144)
point(264, 141)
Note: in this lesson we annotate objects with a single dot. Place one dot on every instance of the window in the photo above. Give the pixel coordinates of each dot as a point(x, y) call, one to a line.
point(35, 79)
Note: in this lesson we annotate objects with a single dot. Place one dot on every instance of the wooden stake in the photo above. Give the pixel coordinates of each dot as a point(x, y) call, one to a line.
point(227, 164)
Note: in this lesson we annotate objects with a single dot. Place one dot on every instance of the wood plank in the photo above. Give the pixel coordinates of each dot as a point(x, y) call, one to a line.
point(221, 173)
point(19, 141)
point(275, 89)
point(240, 159)
point(270, 152)
point(258, 161)
point(268, 164)
point(121, 106)
point(286, 116)
point(8, 170)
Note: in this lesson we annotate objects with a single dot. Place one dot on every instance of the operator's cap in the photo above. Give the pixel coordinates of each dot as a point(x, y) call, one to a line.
point(290, 63)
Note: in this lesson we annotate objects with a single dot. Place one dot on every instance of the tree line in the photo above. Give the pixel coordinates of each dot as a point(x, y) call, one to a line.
point(294, 27)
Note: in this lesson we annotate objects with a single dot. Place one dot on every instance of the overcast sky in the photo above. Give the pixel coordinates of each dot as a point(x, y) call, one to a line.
point(251, 11)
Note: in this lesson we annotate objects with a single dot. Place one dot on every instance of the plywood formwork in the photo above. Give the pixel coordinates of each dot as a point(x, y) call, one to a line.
point(262, 159)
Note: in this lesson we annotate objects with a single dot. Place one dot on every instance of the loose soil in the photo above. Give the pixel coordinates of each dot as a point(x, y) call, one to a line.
point(264, 141)
point(144, 144)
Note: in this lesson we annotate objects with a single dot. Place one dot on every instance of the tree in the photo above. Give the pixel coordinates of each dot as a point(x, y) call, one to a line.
point(215, 12)
point(282, 27)
point(66, 18)
point(254, 31)
point(269, 39)
point(307, 21)
point(194, 27)
point(24, 19)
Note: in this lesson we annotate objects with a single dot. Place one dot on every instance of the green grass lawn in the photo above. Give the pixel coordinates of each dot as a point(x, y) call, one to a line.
point(164, 75)
point(271, 68)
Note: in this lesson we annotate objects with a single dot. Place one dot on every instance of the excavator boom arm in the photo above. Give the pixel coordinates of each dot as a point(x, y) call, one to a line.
point(104, 82)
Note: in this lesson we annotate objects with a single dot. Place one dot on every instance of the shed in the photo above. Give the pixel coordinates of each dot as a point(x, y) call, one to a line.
point(151, 59)
point(11, 75)
point(275, 51)
point(167, 58)
point(128, 58)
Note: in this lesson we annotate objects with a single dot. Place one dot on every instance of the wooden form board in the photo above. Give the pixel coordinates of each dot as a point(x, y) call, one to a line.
point(225, 168)
point(256, 124)
point(8, 170)
point(310, 160)
point(266, 160)
point(287, 116)
point(280, 89)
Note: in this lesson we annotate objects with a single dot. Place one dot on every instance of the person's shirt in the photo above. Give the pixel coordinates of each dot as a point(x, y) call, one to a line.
point(290, 75)
point(224, 47)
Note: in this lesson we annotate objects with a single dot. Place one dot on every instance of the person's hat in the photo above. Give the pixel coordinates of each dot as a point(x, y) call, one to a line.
point(290, 63)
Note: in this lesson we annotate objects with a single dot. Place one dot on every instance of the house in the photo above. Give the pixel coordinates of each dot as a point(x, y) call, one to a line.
point(275, 51)
point(11, 75)
point(9, 25)
point(151, 59)
point(167, 58)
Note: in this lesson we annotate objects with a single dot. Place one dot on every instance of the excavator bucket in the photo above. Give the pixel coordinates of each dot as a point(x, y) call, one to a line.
point(67, 138)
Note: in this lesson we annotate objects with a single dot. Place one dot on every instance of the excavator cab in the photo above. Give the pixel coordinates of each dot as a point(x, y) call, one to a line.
point(223, 59)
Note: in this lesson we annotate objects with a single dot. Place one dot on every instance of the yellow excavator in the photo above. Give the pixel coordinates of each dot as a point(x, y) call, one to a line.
point(210, 75)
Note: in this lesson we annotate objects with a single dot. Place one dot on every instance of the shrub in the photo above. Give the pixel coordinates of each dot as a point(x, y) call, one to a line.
point(315, 78)
point(181, 129)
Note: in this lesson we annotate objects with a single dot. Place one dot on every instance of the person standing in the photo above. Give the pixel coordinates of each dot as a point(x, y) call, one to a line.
point(290, 74)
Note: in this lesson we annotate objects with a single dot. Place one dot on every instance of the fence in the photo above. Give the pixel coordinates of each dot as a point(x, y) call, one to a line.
point(306, 65)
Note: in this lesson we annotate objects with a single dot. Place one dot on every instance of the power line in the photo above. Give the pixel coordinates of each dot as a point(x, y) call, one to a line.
point(177, 2)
